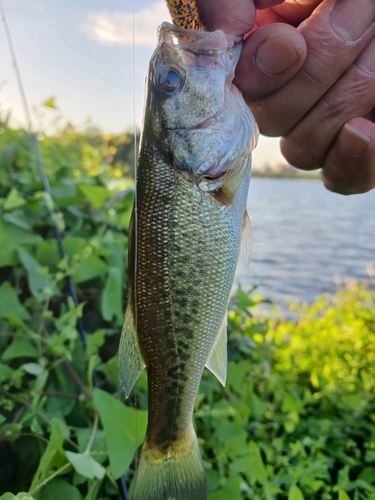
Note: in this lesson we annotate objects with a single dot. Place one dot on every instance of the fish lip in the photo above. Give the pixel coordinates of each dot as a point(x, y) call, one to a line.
point(196, 41)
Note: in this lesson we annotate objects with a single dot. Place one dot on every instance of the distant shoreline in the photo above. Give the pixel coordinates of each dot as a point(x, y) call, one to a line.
point(286, 175)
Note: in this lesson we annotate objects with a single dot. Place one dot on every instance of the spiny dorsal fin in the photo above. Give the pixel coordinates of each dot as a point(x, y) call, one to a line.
point(217, 360)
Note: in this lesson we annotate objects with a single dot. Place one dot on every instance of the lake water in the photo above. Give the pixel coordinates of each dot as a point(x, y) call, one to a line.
point(306, 237)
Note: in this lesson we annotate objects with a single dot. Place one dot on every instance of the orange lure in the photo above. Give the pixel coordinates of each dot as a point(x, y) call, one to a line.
point(185, 14)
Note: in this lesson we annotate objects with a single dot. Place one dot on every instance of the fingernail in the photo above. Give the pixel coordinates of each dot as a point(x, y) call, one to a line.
point(352, 18)
point(367, 59)
point(277, 53)
point(352, 142)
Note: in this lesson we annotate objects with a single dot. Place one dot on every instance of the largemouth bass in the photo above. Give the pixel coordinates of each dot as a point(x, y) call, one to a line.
point(185, 238)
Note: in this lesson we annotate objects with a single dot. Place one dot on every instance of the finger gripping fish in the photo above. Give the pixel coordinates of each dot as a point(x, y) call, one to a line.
point(185, 237)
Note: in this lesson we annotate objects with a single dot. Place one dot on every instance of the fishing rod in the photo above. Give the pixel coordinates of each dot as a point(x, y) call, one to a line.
point(47, 189)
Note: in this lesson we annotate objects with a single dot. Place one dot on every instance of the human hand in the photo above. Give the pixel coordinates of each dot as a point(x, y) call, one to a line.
point(314, 85)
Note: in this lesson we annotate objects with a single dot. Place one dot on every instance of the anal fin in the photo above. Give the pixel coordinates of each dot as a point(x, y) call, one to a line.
point(130, 358)
point(217, 360)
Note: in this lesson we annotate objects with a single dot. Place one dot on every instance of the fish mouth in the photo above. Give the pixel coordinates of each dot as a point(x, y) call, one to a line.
point(213, 178)
point(201, 42)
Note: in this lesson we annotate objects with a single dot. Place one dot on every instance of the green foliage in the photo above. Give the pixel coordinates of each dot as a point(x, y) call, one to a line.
point(294, 422)
point(50, 435)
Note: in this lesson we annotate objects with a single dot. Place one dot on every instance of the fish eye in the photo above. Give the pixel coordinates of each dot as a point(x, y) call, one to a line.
point(169, 80)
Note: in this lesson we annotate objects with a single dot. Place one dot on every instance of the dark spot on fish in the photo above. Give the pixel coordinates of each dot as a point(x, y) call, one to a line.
point(170, 343)
point(173, 385)
point(195, 303)
point(173, 370)
point(170, 406)
point(182, 302)
point(186, 318)
point(183, 345)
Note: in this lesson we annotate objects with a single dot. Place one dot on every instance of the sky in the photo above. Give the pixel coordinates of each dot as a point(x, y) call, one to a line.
point(81, 52)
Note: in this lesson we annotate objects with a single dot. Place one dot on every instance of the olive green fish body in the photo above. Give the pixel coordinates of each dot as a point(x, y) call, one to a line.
point(192, 183)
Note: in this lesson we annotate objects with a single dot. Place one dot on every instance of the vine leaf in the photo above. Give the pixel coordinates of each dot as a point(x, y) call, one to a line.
point(85, 465)
point(124, 430)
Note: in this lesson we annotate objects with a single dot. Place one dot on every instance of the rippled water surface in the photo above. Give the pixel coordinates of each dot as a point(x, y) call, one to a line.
point(304, 236)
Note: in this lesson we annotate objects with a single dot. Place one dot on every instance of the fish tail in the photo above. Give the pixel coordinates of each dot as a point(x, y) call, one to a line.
point(175, 474)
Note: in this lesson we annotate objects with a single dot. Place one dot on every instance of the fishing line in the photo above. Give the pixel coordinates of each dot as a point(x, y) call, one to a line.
point(135, 211)
point(50, 204)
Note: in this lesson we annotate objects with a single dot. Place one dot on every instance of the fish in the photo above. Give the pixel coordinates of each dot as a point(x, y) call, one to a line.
point(188, 227)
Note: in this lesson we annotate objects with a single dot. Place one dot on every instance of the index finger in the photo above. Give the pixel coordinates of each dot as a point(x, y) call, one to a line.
point(234, 17)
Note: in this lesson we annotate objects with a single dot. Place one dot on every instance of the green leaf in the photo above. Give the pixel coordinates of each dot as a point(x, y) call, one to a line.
point(33, 368)
point(40, 284)
point(251, 465)
point(50, 103)
point(231, 490)
point(5, 372)
point(2, 419)
point(97, 195)
point(98, 447)
point(237, 373)
point(295, 493)
point(8, 155)
point(85, 465)
point(18, 220)
point(90, 268)
point(10, 431)
point(343, 495)
point(58, 489)
point(20, 348)
point(10, 304)
point(20, 496)
point(112, 297)
point(95, 341)
point(53, 450)
point(13, 200)
point(19, 235)
point(124, 429)
point(8, 254)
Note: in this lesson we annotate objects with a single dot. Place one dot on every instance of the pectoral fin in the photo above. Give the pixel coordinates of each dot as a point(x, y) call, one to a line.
point(217, 360)
point(234, 177)
point(246, 240)
point(231, 182)
point(130, 358)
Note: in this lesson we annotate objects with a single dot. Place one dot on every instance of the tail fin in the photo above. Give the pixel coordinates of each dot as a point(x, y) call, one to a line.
point(176, 474)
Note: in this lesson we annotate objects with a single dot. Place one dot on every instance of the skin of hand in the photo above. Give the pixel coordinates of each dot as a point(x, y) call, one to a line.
point(307, 71)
